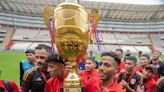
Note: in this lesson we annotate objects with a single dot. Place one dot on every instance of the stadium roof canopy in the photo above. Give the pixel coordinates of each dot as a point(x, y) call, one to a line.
point(149, 11)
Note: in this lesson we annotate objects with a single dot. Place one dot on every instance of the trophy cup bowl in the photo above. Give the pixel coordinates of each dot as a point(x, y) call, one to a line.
point(71, 37)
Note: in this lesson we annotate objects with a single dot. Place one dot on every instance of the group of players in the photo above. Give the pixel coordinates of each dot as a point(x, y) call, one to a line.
point(44, 72)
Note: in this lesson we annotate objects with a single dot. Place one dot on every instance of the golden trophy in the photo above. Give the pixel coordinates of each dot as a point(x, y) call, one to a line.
point(71, 38)
point(71, 23)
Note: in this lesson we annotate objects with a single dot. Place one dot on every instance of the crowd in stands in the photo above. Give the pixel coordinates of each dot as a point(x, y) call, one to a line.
point(43, 71)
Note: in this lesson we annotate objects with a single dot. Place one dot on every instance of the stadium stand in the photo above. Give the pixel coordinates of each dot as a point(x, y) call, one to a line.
point(118, 27)
point(157, 42)
point(2, 36)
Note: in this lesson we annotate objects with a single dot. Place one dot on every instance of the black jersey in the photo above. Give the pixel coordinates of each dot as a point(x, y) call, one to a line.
point(35, 81)
point(132, 79)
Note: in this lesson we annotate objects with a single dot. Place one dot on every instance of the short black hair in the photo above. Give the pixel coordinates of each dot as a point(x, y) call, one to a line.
point(157, 51)
point(146, 55)
point(112, 54)
point(91, 58)
point(30, 51)
point(43, 46)
point(152, 68)
point(119, 50)
point(133, 58)
point(55, 58)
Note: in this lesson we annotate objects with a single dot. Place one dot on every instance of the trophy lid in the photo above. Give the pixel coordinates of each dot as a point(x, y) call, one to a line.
point(72, 1)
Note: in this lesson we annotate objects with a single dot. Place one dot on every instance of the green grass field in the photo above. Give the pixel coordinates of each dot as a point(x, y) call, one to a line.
point(9, 64)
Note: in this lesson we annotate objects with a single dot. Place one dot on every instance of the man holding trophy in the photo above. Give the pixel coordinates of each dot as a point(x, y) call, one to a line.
point(71, 38)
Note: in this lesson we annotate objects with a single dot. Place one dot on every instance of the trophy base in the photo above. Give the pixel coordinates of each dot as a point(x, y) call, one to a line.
point(72, 89)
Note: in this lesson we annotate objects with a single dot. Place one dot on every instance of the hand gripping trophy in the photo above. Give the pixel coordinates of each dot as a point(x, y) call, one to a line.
point(71, 38)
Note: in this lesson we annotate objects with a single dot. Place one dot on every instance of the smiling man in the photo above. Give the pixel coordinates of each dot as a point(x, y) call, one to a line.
point(129, 79)
point(35, 79)
point(109, 65)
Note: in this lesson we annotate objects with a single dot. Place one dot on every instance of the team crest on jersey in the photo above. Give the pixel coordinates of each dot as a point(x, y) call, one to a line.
point(133, 81)
point(38, 79)
point(157, 66)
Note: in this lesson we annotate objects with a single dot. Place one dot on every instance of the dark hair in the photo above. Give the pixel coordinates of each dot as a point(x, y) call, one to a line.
point(145, 55)
point(119, 50)
point(112, 54)
point(157, 51)
point(133, 58)
point(30, 51)
point(55, 58)
point(43, 46)
point(152, 68)
point(92, 59)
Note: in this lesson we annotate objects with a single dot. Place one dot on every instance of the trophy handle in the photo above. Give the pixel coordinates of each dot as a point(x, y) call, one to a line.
point(95, 15)
point(47, 13)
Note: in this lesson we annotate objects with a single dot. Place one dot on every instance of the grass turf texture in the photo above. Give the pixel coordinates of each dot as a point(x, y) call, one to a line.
point(9, 65)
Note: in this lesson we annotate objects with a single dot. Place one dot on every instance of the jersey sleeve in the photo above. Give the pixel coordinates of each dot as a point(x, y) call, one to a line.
point(13, 86)
point(26, 82)
point(47, 87)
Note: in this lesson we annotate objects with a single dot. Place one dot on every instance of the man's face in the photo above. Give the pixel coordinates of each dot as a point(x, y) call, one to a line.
point(108, 67)
point(31, 57)
point(128, 52)
point(155, 55)
point(129, 65)
point(41, 55)
point(119, 53)
point(148, 73)
point(143, 61)
point(55, 69)
point(89, 65)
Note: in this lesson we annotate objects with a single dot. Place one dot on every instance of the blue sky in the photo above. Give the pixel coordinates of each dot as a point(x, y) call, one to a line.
point(142, 2)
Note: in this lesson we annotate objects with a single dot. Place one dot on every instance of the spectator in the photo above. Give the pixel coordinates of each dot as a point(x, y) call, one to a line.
point(127, 54)
point(139, 55)
point(91, 54)
point(158, 64)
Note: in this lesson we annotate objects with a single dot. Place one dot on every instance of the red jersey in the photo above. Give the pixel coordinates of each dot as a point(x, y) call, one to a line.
point(121, 66)
point(90, 80)
point(13, 86)
point(156, 77)
point(2, 86)
point(114, 87)
point(139, 69)
point(54, 84)
point(149, 83)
